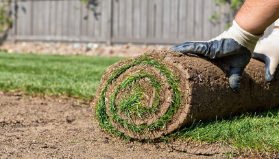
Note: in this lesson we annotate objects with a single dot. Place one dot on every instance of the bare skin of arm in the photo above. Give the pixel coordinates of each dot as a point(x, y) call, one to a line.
point(256, 15)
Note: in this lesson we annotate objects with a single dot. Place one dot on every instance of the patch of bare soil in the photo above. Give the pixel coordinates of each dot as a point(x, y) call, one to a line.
point(90, 49)
point(50, 127)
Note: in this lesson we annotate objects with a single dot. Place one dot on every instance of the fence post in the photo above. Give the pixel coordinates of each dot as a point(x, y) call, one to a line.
point(14, 16)
point(109, 24)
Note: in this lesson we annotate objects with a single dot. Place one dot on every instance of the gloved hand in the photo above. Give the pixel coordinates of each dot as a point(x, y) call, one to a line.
point(234, 46)
point(267, 50)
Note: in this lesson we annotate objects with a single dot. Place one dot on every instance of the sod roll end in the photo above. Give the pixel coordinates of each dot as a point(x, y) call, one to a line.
point(150, 96)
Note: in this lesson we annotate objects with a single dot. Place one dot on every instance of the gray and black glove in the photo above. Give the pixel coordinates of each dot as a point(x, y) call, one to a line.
point(234, 46)
point(267, 50)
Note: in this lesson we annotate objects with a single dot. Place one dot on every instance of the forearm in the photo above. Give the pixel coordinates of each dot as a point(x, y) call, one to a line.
point(256, 15)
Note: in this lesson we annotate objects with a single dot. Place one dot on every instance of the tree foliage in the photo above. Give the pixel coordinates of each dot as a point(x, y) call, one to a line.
point(91, 3)
point(235, 5)
point(5, 15)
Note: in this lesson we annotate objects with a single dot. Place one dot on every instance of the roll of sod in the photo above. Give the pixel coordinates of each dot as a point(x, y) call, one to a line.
point(152, 95)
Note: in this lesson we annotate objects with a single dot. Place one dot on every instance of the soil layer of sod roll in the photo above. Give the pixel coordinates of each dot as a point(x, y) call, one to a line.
point(152, 95)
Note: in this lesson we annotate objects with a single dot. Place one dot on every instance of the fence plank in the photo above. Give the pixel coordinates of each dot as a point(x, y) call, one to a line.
point(14, 21)
point(75, 19)
point(174, 23)
point(40, 17)
point(24, 17)
point(43, 26)
point(136, 19)
point(129, 18)
point(151, 19)
point(143, 18)
point(215, 30)
point(206, 20)
point(122, 18)
point(35, 22)
point(198, 19)
point(46, 17)
point(84, 20)
point(115, 23)
point(109, 22)
point(59, 17)
point(223, 18)
point(159, 18)
point(97, 18)
point(53, 18)
point(105, 14)
point(91, 21)
point(166, 18)
point(19, 18)
point(182, 19)
point(65, 18)
point(190, 23)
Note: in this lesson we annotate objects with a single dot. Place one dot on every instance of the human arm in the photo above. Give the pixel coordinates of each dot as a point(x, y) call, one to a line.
point(236, 45)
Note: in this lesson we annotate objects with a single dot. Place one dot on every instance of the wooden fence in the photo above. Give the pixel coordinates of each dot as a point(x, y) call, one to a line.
point(118, 21)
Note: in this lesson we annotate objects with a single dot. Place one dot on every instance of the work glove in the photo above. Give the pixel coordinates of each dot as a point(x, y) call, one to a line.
point(234, 47)
point(267, 50)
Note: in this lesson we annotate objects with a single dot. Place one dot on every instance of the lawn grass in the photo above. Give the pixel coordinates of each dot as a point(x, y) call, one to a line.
point(75, 76)
point(79, 76)
point(256, 132)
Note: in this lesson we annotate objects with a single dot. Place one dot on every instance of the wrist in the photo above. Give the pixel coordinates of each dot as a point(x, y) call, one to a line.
point(250, 28)
point(243, 37)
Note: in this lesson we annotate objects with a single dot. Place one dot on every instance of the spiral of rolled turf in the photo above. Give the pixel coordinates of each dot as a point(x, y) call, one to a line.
point(138, 99)
point(152, 95)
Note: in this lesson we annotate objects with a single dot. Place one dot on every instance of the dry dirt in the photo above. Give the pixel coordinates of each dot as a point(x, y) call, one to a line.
point(51, 127)
point(90, 49)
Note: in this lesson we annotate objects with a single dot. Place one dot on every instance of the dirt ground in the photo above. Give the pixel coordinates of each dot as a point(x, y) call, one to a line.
point(90, 49)
point(51, 127)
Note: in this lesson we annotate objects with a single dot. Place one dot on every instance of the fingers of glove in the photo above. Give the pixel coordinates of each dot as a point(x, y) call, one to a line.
point(237, 65)
point(191, 47)
point(270, 68)
point(268, 75)
point(235, 77)
point(213, 49)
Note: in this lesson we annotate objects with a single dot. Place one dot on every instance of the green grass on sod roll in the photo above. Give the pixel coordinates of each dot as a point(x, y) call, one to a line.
point(131, 104)
point(79, 76)
point(101, 107)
